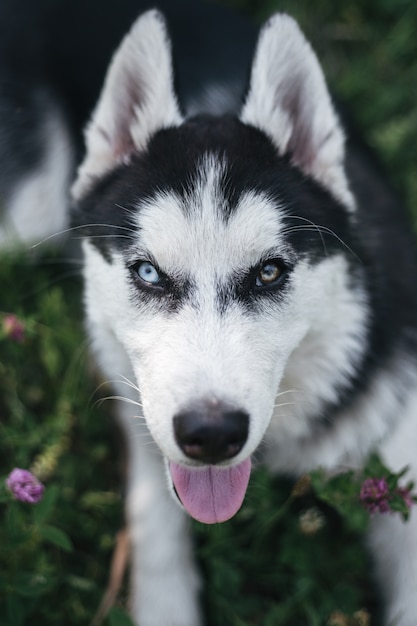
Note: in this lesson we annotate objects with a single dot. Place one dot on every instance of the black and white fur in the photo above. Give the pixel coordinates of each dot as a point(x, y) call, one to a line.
point(249, 278)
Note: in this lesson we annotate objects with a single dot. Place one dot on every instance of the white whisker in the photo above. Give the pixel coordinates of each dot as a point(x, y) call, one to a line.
point(128, 382)
point(281, 404)
point(320, 229)
point(119, 398)
point(65, 231)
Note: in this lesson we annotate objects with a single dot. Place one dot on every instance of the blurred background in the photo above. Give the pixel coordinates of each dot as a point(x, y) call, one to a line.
point(287, 558)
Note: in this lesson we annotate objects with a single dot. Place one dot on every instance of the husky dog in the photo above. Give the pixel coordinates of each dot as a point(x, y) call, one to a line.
point(249, 278)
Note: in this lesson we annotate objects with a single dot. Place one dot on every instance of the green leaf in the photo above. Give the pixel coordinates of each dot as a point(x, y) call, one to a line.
point(44, 509)
point(32, 585)
point(15, 611)
point(375, 468)
point(82, 584)
point(342, 493)
point(119, 617)
point(57, 537)
point(5, 496)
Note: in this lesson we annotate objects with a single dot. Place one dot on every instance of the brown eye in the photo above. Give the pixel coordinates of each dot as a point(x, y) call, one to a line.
point(269, 273)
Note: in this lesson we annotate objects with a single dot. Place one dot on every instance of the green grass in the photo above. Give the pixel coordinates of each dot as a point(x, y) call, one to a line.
point(268, 567)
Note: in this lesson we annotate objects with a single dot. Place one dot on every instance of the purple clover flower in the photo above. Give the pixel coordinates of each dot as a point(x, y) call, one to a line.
point(14, 328)
point(25, 486)
point(375, 495)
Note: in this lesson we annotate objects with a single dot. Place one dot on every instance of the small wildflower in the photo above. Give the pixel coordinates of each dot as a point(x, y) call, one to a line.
point(374, 495)
point(25, 486)
point(13, 328)
point(337, 618)
point(311, 521)
point(361, 618)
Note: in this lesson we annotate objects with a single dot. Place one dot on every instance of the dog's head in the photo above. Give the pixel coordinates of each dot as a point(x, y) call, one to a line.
point(218, 256)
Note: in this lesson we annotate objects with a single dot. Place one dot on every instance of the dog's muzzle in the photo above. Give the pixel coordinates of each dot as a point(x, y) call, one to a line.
point(211, 433)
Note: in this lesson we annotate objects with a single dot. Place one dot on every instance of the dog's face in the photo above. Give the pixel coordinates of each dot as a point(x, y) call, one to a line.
point(214, 256)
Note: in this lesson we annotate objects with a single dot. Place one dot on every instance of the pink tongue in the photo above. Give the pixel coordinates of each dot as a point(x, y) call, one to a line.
point(211, 494)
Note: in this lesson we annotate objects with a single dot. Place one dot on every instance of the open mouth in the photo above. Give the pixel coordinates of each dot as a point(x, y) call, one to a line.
point(211, 494)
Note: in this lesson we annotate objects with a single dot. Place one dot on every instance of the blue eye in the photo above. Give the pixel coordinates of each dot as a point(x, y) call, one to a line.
point(148, 273)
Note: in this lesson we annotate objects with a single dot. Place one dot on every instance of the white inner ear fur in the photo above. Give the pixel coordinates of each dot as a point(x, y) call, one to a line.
point(288, 99)
point(137, 100)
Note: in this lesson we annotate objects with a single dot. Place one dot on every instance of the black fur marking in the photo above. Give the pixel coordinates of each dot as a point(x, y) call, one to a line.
point(375, 241)
point(171, 163)
point(242, 288)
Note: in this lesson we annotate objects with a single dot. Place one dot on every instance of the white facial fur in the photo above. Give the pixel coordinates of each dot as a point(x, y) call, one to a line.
point(198, 352)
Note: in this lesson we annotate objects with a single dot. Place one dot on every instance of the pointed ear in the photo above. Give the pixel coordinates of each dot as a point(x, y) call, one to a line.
point(288, 100)
point(137, 100)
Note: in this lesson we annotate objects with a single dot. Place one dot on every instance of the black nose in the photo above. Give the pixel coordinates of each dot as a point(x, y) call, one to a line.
point(211, 432)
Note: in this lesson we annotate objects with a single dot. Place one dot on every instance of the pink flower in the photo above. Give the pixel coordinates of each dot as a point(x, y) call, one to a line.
point(25, 486)
point(406, 496)
point(14, 328)
point(375, 495)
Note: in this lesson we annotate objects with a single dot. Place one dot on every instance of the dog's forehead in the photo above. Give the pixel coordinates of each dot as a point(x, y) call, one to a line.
point(212, 191)
point(199, 227)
